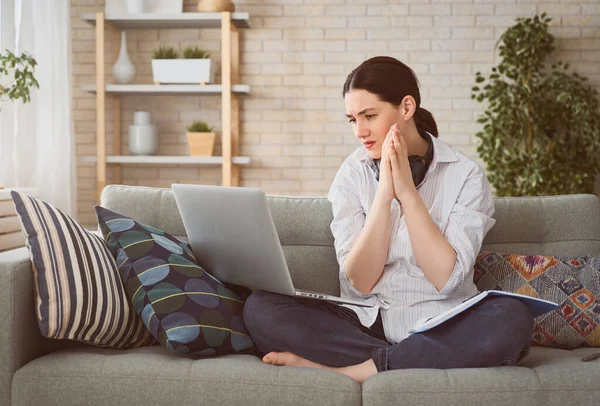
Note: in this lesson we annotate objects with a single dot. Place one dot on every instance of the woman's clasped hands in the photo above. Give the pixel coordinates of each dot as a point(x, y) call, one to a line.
point(395, 177)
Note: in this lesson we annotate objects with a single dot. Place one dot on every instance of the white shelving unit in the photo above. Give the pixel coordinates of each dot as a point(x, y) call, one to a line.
point(162, 20)
point(167, 159)
point(229, 89)
point(167, 89)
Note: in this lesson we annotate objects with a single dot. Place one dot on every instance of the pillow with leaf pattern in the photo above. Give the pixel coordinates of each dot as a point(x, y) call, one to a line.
point(185, 308)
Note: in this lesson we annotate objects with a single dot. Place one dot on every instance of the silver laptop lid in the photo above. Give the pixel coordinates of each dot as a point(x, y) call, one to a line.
point(233, 236)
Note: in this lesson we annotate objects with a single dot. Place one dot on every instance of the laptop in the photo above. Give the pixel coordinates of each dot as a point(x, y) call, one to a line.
point(233, 237)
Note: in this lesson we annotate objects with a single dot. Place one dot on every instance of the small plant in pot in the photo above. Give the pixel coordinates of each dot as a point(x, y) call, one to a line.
point(195, 53)
point(200, 65)
point(163, 64)
point(195, 67)
point(201, 139)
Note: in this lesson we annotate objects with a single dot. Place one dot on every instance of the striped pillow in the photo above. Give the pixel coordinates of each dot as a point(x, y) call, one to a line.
point(80, 295)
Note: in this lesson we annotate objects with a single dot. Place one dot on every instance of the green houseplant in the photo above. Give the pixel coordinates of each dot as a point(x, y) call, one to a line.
point(17, 76)
point(195, 67)
point(541, 129)
point(192, 52)
point(201, 138)
point(165, 52)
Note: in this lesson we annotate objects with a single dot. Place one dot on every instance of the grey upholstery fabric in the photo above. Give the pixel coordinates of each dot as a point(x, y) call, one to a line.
point(559, 225)
point(549, 225)
point(20, 337)
point(152, 206)
point(151, 376)
point(545, 377)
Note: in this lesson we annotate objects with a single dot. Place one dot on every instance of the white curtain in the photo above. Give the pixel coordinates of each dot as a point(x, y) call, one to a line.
point(37, 140)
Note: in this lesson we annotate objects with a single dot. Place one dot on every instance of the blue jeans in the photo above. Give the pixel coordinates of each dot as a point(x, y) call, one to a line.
point(496, 331)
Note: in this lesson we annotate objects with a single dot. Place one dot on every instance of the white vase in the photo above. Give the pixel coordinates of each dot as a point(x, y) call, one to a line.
point(135, 6)
point(123, 70)
point(142, 118)
point(142, 139)
point(142, 135)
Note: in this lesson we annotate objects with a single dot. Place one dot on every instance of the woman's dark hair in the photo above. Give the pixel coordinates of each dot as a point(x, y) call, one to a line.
point(390, 80)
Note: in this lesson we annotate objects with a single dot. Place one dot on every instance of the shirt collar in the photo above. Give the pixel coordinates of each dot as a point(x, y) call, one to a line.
point(442, 152)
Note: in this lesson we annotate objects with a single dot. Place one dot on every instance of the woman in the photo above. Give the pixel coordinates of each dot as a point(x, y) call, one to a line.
point(409, 217)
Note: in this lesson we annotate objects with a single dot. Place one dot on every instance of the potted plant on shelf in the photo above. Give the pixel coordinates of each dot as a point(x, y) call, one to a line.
point(201, 139)
point(195, 67)
point(163, 64)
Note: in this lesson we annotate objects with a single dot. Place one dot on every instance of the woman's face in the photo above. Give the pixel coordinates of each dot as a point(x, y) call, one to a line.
point(372, 118)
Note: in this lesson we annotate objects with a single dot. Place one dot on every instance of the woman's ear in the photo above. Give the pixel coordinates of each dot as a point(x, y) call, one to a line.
point(408, 107)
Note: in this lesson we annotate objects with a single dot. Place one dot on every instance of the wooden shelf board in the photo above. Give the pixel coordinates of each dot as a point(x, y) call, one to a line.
point(167, 89)
point(166, 159)
point(175, 20)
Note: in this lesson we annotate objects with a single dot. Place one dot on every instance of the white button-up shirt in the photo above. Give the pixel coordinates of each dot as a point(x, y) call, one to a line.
point(459, 199)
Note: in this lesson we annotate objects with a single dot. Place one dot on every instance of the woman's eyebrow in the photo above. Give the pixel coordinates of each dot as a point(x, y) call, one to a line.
point(361, 112)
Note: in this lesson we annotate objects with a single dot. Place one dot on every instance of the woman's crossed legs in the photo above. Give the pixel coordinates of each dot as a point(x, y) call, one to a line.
point(310, 333)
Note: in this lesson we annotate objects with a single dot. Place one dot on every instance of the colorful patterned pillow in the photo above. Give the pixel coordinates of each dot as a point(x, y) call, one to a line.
point(79, 294)
point(572, 282)
point(185, 308)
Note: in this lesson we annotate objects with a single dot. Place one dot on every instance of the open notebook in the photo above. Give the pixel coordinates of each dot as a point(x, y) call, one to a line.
point(537, 307)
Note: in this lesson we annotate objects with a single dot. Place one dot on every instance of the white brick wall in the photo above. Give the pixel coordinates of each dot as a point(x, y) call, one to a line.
point(296, 57)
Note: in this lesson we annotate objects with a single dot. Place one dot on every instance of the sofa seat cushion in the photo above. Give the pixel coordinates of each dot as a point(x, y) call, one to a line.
point(547, 376)
point(86, 375)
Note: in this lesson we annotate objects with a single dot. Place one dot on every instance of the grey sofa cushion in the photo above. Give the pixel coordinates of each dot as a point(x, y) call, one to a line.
point(545, 377)
point(549, 225)
point(566, 225)
point(152, 376)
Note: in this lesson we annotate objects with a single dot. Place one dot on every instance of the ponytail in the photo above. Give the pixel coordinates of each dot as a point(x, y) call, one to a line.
point(424, 120)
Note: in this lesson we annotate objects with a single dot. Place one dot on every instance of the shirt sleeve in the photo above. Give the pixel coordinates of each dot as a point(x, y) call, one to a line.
point(470, 220)
point(348, 221)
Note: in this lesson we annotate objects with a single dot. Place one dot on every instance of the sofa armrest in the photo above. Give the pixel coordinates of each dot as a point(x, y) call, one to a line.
point(20, 337)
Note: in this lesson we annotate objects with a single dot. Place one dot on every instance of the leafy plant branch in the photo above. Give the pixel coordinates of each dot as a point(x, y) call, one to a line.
point(541, 128)
point(19, 73)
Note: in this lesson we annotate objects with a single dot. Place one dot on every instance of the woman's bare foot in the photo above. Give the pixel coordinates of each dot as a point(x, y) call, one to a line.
point(359, 372)
point(289, 359)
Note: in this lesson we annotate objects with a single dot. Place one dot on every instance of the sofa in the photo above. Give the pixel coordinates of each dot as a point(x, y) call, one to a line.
point(38, 371)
